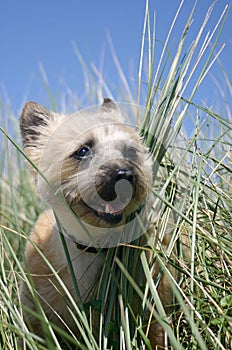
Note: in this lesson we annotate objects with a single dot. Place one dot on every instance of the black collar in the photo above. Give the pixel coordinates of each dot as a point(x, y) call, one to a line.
point(85, 248)
point(89, 249)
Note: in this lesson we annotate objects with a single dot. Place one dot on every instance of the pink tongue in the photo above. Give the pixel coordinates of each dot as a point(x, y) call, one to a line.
point(115, 207)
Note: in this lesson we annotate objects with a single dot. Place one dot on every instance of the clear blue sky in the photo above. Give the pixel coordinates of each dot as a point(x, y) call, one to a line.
point(43, 31)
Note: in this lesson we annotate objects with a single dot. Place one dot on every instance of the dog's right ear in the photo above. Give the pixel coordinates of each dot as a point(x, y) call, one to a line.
point(33, 119)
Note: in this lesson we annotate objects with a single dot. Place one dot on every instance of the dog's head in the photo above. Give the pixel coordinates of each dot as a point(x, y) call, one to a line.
point(91, 159)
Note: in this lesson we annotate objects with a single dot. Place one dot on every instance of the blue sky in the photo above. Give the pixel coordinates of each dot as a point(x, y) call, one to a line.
point(33, 32)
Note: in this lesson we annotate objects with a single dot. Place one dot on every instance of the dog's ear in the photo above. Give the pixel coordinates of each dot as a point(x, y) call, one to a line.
point(33, 118)
point(108, 105)
point(109, 109)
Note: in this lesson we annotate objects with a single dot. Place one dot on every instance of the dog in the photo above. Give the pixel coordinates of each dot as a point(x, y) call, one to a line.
point(94, 176)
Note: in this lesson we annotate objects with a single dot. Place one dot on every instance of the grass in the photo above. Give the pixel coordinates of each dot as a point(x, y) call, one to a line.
point(193, 183)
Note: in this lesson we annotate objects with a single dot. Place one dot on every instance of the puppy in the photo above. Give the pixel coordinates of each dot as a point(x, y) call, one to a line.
point(95, 174)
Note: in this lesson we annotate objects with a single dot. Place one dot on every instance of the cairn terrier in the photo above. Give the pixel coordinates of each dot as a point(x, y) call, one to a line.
point(95, 174)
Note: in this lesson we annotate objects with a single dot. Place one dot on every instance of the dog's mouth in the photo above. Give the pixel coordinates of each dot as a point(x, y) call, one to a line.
point(110, 212)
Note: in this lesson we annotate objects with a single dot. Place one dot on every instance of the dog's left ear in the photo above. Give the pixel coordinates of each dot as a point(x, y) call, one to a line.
point(111, 110)
point(108, 105)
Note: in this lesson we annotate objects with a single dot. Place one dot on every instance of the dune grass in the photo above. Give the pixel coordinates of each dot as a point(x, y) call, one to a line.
point(193, 185)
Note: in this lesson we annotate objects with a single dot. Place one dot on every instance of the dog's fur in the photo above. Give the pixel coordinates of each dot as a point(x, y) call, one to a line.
point(82, 158)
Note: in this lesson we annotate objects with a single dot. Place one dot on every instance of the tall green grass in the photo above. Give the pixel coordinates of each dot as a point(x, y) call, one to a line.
point(193, 185)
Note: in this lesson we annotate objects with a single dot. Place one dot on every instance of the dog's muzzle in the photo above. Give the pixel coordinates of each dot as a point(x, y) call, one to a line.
point(115, 187)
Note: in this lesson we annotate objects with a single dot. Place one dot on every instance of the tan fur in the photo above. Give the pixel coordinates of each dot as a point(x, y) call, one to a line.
point(86, 266)
point(50, 141)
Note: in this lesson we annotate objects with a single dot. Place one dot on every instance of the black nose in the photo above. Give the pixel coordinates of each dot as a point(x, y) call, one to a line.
point(109, 176)
point(122, 174)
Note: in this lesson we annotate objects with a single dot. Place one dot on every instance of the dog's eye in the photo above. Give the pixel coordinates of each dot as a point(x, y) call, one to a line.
point(82, 153)
point(131, 154)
